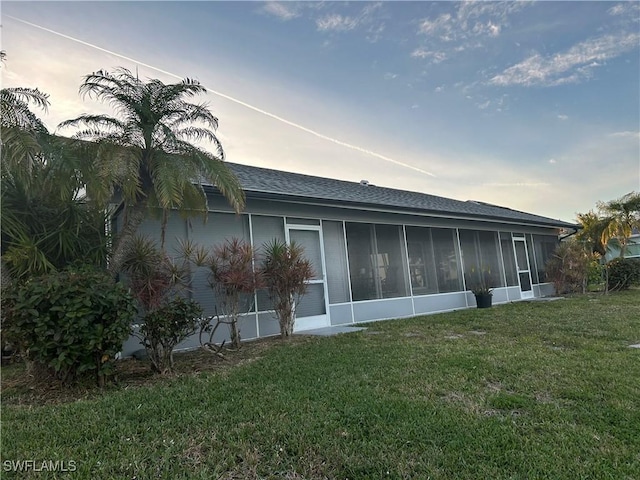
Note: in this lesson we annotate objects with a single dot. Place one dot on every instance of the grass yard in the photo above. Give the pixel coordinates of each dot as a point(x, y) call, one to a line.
point(521, 391)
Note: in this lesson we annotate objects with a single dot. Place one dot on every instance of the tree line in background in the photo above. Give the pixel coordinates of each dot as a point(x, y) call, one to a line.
point(62, 306)
point(596, 256)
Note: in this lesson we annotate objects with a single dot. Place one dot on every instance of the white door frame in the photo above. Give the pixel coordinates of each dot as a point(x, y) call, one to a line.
point(520, 270)
point(316, 321)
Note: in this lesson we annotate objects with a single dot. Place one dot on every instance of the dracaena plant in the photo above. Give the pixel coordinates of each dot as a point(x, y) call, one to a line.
point(234, 280)
point(287, 272)
point(167, 319)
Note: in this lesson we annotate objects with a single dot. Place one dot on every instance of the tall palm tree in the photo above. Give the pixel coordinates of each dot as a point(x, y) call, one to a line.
point(622, 218)
point(147, 152)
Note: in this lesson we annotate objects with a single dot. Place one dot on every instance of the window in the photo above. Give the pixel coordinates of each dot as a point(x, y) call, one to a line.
point(391, 261)
point(422, 267)
point(544, 246)
point(506, 244)
point(361, 266)
point(219, 227)
point(481, 258)
point(490, 257)
point(264, 230)
point(377, 261)
point(448, 272)
point(302, 221)
point(335, 252)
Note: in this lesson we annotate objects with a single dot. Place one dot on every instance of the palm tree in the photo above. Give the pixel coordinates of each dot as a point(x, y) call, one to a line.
point(590, 235)
point(147, 153)
point(46, 224)
point(21, 131)
point(622, 217)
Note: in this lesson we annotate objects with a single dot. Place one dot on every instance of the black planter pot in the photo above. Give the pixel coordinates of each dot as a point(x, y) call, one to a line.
point(483, 300)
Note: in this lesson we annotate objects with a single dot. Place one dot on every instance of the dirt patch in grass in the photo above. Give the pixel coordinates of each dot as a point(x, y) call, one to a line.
point(21, 385)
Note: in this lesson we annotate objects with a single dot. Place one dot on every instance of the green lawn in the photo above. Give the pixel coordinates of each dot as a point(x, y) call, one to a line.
point(521, 391)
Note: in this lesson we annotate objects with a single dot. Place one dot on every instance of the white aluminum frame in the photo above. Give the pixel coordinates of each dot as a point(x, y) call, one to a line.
point(315, 321)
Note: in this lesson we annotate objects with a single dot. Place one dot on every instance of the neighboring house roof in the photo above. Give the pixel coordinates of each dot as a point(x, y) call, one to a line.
point(276, 183)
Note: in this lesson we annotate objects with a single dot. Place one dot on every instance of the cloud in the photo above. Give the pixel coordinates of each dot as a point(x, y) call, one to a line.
point(464, 27)
point(563, 117)
point(441, 27)
point(336, 23)
point(283, 11)
point(374, 33)
point(553, 161)
point(627, 9)
point(390, 76)
point(471, 19)
point(625, 134)
point(571, 66)
point(367, 17)
point(436, 57)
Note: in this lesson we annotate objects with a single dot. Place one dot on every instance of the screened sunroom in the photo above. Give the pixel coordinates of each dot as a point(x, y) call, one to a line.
point(378, 253)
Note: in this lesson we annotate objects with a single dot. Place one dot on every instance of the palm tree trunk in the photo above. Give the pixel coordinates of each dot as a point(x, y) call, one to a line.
point(122, 242)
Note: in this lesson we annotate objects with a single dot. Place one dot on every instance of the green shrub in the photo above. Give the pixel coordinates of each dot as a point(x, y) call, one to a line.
point(623, 273)
point(568, 268)
point(165, 327)
point(70, 322)
point(595, 272)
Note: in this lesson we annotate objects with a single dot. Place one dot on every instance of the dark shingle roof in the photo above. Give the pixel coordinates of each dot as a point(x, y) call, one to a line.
point(335, 192)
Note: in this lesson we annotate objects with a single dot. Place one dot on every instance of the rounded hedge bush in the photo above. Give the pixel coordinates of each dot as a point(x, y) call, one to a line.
point(70, 322)
point(623, 273)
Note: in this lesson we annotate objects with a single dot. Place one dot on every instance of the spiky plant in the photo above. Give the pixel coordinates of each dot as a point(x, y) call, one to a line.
point(286, 273)
point(234, 281)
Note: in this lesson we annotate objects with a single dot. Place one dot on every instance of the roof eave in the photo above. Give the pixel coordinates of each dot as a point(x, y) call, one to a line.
point(318, 201)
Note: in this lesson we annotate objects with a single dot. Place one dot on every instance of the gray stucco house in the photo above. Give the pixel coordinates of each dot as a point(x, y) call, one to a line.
point(379, 253)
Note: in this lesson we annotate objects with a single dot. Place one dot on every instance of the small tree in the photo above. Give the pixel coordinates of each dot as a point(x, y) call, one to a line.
point(568, 267)
point(286, 272)
point(165, 327)
point(234, 282)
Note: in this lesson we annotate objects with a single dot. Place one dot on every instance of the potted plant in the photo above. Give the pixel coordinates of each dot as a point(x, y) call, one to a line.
point(479, 282)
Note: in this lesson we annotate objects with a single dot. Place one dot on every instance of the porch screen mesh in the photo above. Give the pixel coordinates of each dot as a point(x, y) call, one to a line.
point(335, 257)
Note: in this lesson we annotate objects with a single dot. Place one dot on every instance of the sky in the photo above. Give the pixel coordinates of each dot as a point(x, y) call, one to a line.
point(530, 105)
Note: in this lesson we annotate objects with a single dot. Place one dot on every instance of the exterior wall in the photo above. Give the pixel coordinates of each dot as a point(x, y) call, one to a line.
point(386, 234)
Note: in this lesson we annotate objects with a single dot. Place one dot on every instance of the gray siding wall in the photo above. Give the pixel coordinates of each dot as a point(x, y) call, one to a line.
point(341, 314)
point(440, 303)
point(382, 309)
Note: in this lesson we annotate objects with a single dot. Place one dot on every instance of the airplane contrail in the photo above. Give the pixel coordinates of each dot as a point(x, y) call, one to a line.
point(232, 99)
